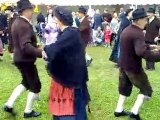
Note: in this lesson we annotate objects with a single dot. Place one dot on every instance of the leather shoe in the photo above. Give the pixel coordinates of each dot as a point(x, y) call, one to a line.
point(136, 117)
point(120, 114)
point(9, 110)
point(32, 114)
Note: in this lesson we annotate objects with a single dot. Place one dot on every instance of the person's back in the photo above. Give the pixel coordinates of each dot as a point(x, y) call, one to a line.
point(97, 21)
point(40, 18)
point(129, 60)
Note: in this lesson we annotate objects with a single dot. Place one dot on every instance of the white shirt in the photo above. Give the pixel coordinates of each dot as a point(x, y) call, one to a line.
point(50, 18)
point(151, 19)
point(81, 20)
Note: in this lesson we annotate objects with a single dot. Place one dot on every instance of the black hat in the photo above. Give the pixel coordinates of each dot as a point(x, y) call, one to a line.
point(64, 15)
point(128, 11)
point(23, 4)
point(151, 10)
point(10, 8)
point(82, 9)
point(139, 13)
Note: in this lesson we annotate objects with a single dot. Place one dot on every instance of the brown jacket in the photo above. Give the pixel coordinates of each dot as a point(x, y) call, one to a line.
point(10, 46)
point(133, 48)
point(24, 41)
point(152, 31)
point(85, 30)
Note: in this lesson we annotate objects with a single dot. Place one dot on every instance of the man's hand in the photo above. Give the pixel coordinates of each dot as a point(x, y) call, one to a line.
point(156, 39)
point(1, 32)
point(152, 47)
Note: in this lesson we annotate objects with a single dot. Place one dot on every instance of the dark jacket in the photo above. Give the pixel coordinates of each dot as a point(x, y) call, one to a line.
point(40, 18)
point(107, 17)
point(97, 21)
point(85, 30)
point(152, 31)
point(66, 59)
point(24, 41)
point(11, 20)
point(3, 22)
point(133, 48)
point(125, 22)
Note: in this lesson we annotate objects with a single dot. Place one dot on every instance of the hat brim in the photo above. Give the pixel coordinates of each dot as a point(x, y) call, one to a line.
point(29, 7)
point(82, 12)
point(150, 12)
point(140, 17)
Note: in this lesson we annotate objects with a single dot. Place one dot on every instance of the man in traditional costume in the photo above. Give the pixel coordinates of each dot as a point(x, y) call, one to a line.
point(85, 30)
point(133, 48)
point(25, 54)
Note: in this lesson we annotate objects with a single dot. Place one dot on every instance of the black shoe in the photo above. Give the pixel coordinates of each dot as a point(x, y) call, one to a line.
point(120, 114)
point(32, 114)
point(136, 117)
point(9, 110)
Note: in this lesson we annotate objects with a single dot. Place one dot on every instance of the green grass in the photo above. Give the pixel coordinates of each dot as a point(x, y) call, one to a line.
point(103, 86)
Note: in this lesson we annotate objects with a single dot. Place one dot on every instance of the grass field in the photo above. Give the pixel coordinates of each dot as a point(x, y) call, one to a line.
point(102, 86)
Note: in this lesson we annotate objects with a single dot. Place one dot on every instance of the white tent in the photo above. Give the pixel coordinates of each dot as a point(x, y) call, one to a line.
point(88, 2)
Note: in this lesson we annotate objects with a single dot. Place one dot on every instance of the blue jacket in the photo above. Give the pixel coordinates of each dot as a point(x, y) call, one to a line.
point(97, 21)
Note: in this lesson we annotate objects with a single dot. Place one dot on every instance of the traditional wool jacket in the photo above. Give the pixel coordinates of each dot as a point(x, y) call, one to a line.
point(24, 41)
point(66, 59)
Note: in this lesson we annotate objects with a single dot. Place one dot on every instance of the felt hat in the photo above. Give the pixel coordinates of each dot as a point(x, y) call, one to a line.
point(139, 13)
point(24, 4)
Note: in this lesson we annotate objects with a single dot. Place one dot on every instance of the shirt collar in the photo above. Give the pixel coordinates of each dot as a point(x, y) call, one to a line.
point(26, 19)
point(82, 19)
point(63, 28)
point(151, 19)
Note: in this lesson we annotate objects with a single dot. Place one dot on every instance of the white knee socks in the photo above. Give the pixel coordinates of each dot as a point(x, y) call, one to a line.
point(30, 100)
point(138, 104)
point(120, 103)
point(88, 57)
point(17, 92)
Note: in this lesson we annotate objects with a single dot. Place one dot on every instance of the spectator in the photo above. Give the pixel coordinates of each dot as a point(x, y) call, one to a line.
point(98, 36)
point(107, 35)
point(152, 33)
point(40, 26)
point(114, 27)
point(97, 20)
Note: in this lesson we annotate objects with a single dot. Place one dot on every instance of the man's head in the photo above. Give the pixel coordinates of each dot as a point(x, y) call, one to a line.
point(25, 8)
point(151, 13)
point(129, 13)
point(97, 11)
point(82, 11)
point(105, 10)
point(9, 10)
point(63, 16)
point(140, 18)
point(121, 10)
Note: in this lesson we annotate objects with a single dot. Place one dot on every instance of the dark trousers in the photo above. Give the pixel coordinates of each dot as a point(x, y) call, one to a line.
point(30, 78)
point(139, 80)
point(150, 65)
point(64, 118)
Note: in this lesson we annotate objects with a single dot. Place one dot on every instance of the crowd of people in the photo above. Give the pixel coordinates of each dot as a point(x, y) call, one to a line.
point(64, 36)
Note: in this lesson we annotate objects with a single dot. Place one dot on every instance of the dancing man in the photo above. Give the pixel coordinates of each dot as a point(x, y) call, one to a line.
point(25, 54)
point(133, 49)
